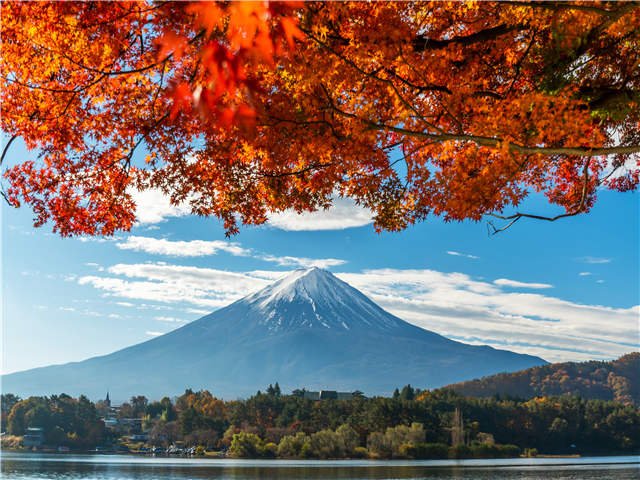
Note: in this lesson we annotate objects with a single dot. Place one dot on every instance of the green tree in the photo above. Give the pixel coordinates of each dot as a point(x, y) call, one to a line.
point(246, 445)
point(396, 394)
point(276, 390)
point(188, 421)
point(407, 393)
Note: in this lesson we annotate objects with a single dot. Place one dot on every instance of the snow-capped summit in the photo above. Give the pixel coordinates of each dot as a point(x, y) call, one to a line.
point(308, 329)
point(314, 298)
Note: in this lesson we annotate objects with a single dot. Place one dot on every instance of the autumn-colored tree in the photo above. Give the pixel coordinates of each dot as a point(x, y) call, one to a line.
point(456, 109)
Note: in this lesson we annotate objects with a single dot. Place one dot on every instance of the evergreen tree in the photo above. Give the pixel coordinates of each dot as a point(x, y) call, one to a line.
point(276, 390)
point(259, 393)
point(408, 393)
point(396, 394)
point(188, 421)
point(271, 390)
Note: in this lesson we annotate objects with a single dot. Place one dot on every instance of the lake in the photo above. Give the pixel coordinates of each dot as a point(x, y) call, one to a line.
point(63, 466)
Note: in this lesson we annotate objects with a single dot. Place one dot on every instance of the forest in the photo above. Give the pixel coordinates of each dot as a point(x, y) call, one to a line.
point(617, 380)
point(412, 424)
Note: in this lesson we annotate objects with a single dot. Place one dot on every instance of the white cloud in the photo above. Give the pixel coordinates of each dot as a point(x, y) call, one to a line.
point(155, 334)
point(200, 312)
point(595, 260)
point(344, 213)
point(503, 282)
point(92, 264)
point(152, 206)
point(152, 227)
point(585, 273)
point(203, 287)
point(303, 262)
point(600, 281)
point(125, 304)
point(67, 309)
point(39, 307)
point(462, 255)
point(452, 304)
point(476, 312)
point(194, 248)
point(171, 319)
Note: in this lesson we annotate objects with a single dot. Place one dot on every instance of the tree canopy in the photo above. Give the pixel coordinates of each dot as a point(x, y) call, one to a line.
point(453, 109)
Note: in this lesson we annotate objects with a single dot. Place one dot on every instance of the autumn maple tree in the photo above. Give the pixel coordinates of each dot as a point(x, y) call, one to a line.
point(455, 109)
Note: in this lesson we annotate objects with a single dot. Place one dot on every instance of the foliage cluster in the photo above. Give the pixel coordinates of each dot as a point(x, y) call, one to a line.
point(249, 108)
point(618, 380)
point(66, 420)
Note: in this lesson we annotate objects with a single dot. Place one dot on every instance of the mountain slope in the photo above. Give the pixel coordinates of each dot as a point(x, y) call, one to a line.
point(617, 380)
point(308, 329)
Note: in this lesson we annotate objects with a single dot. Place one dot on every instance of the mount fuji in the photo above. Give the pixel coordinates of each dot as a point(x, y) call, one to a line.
point(308, 329)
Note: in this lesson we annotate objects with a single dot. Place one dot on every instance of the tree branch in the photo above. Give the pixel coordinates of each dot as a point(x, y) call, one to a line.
point(423, 44)
point(564, 6)
point(6, 148)
point(579, 210)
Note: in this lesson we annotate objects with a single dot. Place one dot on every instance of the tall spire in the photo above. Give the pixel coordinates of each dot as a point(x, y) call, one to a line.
point(107, 402)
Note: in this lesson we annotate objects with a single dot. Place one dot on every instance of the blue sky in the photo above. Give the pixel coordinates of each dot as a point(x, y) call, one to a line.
point(567, 290)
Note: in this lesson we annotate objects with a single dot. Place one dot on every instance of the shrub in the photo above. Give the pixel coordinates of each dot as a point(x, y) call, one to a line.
point(200, 450)
point(327, 444)
point(11, 441)
point(350, 438)
point(511, 451)
point(246, 445)
point(270, 450)
point(432, 451)
point(483, 450)
point(290, 446)
point(407, 451)
point(531, 452)
point(460, 451)
point(306, 451)
point(360, 452)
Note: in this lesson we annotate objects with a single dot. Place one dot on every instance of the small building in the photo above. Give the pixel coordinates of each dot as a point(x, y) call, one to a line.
point(326, 394)
point(34, 437)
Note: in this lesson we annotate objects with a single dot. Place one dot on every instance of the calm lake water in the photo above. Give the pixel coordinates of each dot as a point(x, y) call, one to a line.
point(63, 466)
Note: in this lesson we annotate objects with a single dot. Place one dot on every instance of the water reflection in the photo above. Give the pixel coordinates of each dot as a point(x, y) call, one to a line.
point(24, 466)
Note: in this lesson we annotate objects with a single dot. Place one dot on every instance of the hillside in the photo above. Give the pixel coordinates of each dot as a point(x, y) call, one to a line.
point(617, 380)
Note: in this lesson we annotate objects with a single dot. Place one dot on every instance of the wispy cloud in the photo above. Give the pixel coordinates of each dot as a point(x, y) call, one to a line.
point(194, 248)
point(344, 213)
point(203, 287)
point(452, 304)
point(583, 274)
point(40, 307)
point(155, 334)
point(467, 310)
point(67, 309)
point(503, 282)
point(462, 255)
point(92, 264)
point(303, 262)
point(171, 319)
point(195, 310)
point(595, 260)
